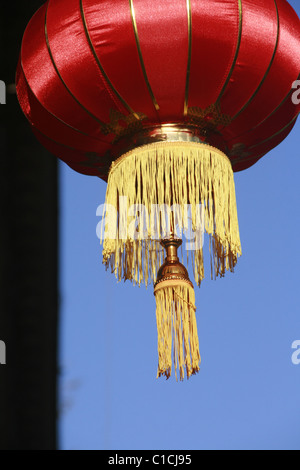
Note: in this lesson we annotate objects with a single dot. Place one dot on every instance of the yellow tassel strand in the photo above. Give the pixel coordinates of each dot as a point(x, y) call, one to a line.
point(182, 173)
point(177, 329)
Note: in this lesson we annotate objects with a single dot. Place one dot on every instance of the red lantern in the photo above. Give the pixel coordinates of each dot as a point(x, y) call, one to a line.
point(165, 99)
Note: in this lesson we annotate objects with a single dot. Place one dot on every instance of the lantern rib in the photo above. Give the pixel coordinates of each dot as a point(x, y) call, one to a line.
point(278, 107)
point(54, 115)
point(246, 159)
point(53, 140)
point(188, 72)
point(61, 78)
point(268, 69)
point(89, 39)
point(236, 52)
point(288, 96)
point(276, 134)
point(81, 163)
point(138, 45)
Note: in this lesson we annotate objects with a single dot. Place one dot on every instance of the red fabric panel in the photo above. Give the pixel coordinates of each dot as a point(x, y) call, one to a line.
point(75, 60)
point(215, 27)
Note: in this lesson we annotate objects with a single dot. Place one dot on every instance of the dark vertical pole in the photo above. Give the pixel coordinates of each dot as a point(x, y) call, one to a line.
point(28, 262)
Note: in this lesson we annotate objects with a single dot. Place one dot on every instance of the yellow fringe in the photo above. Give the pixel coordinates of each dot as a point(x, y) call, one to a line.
point(177, 331)
point(173, 173)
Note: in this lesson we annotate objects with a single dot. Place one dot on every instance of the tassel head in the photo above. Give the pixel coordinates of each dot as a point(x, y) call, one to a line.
point(172, 269)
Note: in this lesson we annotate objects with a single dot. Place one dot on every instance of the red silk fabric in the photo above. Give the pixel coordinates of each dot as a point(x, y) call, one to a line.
point(94, 71)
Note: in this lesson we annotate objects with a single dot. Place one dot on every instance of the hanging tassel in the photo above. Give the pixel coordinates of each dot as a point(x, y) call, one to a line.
point(176, 316)
point(171, 173)
point(177, 329)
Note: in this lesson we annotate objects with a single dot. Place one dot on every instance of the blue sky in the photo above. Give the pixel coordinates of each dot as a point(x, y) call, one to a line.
point(246, 395)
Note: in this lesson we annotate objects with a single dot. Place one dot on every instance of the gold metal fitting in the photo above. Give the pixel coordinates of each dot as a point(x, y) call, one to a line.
point(172, 271)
